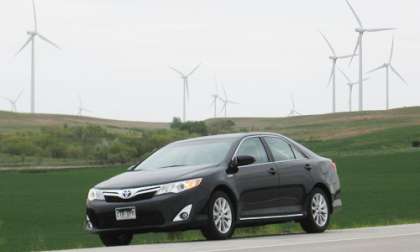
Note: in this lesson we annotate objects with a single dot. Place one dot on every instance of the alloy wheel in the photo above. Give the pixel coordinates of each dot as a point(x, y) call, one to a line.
point(319, 209)
point(222, 215)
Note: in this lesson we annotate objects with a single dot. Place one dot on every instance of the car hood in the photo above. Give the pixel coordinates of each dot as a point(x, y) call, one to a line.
point(142, 178)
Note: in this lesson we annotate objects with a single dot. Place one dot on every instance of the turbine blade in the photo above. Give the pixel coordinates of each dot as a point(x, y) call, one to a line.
point(48, 41)
point(355, 14)
point(392, 51)
point(344, 74)
point(346, 56)
point(225, 93)
point(176, 70)
point(6, 99)
point(213, 101)
point(398, 74)
point(331, 76)
point(328, 43)
point(24, 45)
point(18, 97)
point(223, 107)
point(195, 69)
point(379, 29)
point(376, 69)
point(35, 19)
point(356, 47)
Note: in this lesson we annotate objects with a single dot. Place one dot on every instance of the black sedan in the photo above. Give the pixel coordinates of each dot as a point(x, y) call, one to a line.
point(215, 184)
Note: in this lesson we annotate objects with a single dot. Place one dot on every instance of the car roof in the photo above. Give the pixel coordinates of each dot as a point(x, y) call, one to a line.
point(237, 136)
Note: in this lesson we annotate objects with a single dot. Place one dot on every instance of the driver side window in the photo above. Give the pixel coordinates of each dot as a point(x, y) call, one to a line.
point(253, 147)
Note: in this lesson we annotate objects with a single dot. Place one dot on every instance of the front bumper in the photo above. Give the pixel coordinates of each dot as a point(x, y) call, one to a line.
point(336, 201)
point(154, 214)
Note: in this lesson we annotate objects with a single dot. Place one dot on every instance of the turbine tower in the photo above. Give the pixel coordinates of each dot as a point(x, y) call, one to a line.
point(350, 84)
point(387, 66)
point(359, 45)
point(225, 101)
point(81, 108)
point(293, 111)
point(334, 58)
point(13, 102)
point(32, 35)
point(186, 89)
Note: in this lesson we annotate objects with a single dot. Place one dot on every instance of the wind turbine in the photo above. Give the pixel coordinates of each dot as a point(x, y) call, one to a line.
point(214, 98)
point(32, 35)
point(350, 84)
point(387, 66)
point(293, 111)
point(359, 45)
point(81, 108)
point(13, 102)
point(334, 58)
point(225, 101)
point(186, 89)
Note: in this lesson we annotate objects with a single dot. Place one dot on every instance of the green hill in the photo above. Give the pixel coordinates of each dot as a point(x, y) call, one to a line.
point(333, 126)
point(18, 121)
point(357, 133)
point(43, 139)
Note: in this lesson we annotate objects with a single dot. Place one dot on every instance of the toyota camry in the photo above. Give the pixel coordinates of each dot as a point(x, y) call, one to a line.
point(215, 184)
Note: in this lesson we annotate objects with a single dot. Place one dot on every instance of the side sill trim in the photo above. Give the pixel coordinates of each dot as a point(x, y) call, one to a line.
point(271, 217)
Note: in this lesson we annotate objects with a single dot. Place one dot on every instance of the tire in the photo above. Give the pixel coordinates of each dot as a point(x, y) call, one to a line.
point(116, 239)
point(221, 217)
point(317, 212)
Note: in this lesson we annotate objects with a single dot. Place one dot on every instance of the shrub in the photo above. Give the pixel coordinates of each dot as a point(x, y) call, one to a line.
point(221, 126)
point(416, 144)
point(199, 128)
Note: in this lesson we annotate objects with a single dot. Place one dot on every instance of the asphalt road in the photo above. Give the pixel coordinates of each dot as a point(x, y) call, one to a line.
point(378, 239)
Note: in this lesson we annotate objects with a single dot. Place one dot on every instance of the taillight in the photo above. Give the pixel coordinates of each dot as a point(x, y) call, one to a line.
point(333, 166)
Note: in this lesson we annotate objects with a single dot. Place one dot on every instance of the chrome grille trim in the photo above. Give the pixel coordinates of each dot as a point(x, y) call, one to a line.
point(133, 192)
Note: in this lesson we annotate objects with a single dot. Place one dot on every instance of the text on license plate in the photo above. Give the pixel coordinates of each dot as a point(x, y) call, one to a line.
point(125, 213)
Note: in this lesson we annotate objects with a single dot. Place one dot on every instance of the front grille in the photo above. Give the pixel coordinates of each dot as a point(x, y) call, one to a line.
point(143, 196)
point(152, 218)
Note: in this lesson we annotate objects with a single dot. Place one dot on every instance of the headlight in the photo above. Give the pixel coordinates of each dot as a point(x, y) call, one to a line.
point(95, 194)
point(180, 186)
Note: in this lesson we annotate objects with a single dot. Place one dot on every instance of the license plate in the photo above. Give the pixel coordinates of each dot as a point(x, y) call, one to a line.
point(125, 213)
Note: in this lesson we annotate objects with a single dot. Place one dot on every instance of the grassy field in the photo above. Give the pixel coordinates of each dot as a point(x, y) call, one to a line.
point(45, 209)
point(379, 169)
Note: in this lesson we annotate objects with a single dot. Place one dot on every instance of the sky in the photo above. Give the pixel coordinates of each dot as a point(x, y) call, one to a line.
point(115, 55)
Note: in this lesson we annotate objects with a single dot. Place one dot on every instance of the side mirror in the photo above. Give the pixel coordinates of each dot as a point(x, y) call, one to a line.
point(240, 161)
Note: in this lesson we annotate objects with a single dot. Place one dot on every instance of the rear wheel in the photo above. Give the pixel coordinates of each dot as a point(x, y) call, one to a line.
point(221, 217)
point(116, 239)
point(317, 212)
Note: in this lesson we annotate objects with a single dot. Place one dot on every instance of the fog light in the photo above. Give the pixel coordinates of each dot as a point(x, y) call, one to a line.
point(184, 214)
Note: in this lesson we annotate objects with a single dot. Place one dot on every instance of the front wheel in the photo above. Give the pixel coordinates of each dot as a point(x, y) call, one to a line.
point(116, 239)
point(317, 212)
point(221, 217)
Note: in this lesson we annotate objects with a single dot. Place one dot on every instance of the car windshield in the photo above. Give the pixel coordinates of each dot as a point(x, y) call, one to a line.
point(200, 152)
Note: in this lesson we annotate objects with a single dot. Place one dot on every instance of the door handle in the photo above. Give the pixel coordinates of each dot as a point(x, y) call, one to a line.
point(308, 167)
point(272, 171)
